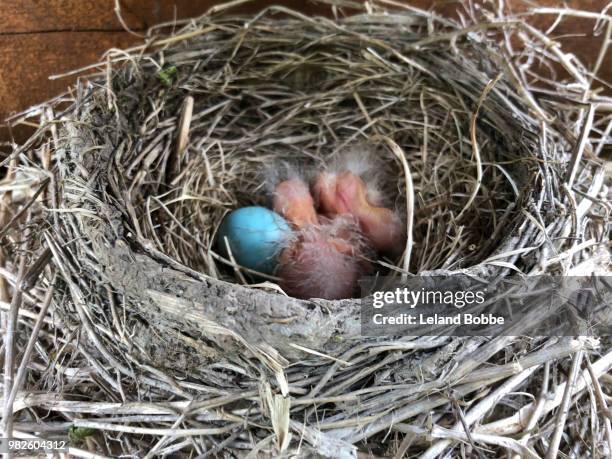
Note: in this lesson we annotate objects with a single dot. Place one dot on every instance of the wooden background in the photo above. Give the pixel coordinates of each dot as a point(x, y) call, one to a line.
point(39, 38)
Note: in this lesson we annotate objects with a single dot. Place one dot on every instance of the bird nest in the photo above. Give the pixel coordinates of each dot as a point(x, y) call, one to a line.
point(158, 344)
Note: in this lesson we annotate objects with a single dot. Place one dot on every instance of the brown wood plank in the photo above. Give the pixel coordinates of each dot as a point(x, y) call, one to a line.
point(20, 16)
point(26, 61)
point(38, 39)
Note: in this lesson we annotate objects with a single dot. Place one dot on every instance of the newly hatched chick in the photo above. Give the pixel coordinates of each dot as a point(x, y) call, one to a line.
point(292, 199)
point(344, 192)
point(325, 260)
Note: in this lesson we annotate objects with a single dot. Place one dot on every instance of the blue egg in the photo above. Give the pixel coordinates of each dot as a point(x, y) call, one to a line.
point(256, 236)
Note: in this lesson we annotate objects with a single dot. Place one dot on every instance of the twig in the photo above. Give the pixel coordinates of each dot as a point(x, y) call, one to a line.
point(564, 406)
point(399, 153)
point(475, 148)
point(182, 137)
point(23, 366)
point(24, 209)
point(601, 401)
point(572, 166)
point(480, 410)
point(9, 342)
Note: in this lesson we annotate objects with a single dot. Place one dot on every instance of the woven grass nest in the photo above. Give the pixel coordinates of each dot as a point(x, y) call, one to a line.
point(137, 338)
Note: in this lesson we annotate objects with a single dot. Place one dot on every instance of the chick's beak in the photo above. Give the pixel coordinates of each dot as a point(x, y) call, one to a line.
point(347, 193)
point(292, 199)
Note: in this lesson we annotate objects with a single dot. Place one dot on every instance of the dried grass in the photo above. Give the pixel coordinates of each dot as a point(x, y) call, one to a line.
point(119, 311)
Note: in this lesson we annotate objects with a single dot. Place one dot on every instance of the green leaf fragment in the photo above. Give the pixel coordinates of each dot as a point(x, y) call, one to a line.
point(167, 75)
point(77, 434)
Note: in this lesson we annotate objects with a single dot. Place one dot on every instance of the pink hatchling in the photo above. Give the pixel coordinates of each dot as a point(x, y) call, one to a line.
point(292, 199)
point(325, 260)
point(345, 193)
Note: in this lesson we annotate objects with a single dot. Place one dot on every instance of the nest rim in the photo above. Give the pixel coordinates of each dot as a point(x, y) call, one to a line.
point(132, 263)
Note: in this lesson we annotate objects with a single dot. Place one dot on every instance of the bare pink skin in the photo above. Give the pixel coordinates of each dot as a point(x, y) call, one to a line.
point(325, 261)
point(292, 199)
point(346, 193)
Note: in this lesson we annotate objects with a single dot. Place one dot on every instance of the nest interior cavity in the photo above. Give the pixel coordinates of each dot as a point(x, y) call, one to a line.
point(491, 160)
